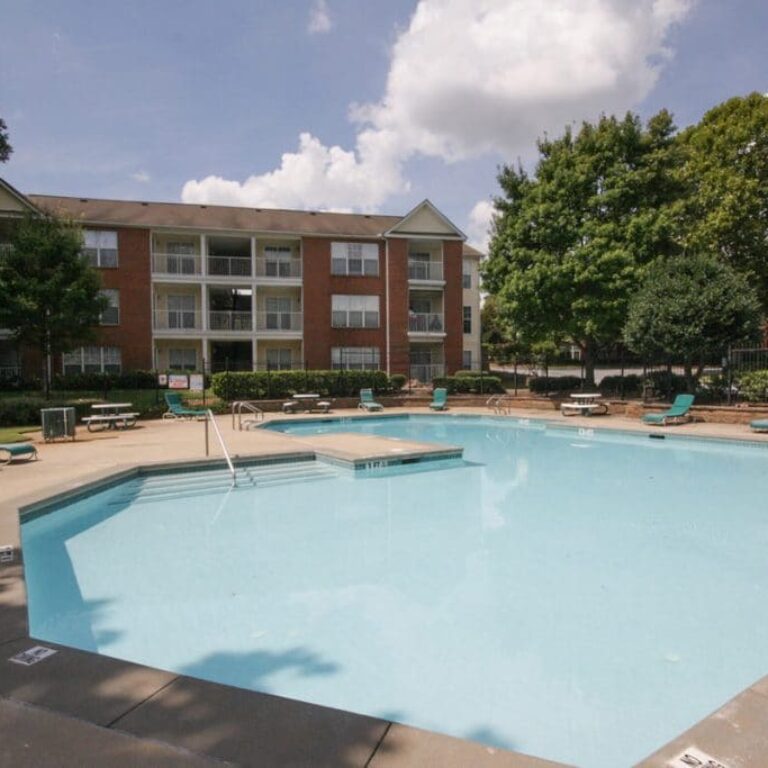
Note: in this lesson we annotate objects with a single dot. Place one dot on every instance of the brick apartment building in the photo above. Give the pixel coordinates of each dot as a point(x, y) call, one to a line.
point(253, 288)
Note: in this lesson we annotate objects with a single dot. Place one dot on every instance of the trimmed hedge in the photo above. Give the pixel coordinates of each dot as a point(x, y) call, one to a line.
point(397, 381)
point(266, 385)
point(465, 384)
point(630, 385)
point(100, 381)
point(544, 384)
point(754, 386)
point(20, 411)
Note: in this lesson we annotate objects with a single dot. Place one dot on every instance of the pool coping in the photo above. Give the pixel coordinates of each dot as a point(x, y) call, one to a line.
point(143, 709)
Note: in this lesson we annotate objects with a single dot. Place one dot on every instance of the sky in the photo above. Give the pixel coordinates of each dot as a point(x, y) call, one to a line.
point(350, 105)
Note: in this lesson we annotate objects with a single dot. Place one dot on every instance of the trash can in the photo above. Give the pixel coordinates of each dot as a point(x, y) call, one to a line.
point(58, 422)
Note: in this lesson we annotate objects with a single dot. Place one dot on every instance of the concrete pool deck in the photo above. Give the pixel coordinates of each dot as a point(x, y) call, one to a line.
point(78, 708)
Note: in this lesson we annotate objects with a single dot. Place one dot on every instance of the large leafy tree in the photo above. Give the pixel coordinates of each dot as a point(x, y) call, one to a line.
point(571, 242)
point(49, 295)
point(690, 308)
point(5, 146)
point(725, 210)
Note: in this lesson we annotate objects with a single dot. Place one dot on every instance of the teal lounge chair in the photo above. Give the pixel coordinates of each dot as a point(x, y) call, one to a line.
point(16, 450)
point(367, 403)
point(439, 399)
point(759, 425)
point(177, 410)
point(677, 414)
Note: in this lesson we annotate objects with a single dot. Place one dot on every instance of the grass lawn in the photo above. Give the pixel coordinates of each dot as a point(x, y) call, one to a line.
point(15, 434)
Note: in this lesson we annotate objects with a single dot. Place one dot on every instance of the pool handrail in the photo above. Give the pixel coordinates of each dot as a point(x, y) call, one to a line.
point(209, 417)
point(237, 409)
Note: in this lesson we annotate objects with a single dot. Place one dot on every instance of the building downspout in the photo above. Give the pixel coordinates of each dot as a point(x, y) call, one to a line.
point(386, 302)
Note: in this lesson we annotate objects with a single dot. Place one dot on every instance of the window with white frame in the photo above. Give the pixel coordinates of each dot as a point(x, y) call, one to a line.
point(355, 358)
point(111, 315)
point(100, 246)
point(466, 275)
point(92, 360)
point(182, 359)
point(467, 317)
point(279, 359)
point(277, 260)
point(181, 257)
point(356, 259)
point(355, 311)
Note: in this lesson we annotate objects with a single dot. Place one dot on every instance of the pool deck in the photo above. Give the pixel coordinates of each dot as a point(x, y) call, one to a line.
point(77, 708)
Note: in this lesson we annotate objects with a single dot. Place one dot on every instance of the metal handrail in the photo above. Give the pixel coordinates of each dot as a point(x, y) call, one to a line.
point(209, 417)
point(237, 408)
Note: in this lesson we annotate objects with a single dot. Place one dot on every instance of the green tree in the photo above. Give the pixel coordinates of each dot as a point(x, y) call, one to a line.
point(690, 308)
point(725, 211)
point(571, 243)
point(49, 295)
point(5, 146)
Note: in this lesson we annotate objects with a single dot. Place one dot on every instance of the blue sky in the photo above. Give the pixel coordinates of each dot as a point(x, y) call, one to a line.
point(139, 99)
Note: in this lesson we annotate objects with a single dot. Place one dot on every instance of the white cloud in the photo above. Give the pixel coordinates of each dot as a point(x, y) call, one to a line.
point(141, 176)
point(470, 77)
point(479, 222)
point(319, 18)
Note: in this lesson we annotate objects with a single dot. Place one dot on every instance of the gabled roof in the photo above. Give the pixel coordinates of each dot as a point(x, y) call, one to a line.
point(12, 202)
point(426, 221)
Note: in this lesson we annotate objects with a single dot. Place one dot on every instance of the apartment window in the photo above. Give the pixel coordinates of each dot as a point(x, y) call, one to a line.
point(355, 311)
point(111, 315)
point(466, 275)
point(279, 315)
point(279, 359)
point(356, 259)
point(100, 247)
point(182, 359)
point(277, 260)
point(181, 310)
point(92, 360)
point(466, 360)
point(181, 257)
point(419, 266)
point(467, 319)
point(355, 358)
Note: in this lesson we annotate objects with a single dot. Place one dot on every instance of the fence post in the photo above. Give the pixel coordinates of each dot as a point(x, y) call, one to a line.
point(515, 375)
point(206, 436)
point(730, 376)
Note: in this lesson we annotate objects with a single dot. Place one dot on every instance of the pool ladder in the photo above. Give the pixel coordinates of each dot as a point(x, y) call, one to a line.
point(210, 418)
point(237, 410)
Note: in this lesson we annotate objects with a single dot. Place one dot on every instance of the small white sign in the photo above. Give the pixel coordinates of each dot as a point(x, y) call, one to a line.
point(6, 554)
point(196, 382)
point(695, 758)
point(178, 381)
point(162, 379)
point(32, 655)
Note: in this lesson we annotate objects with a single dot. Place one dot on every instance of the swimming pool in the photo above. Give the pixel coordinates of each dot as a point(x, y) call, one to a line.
point(582, 597)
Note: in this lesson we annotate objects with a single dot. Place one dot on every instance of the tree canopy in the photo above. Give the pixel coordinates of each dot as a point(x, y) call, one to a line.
point(49, 295)
point(690, 308)
point(571, 243)
point(5, 145)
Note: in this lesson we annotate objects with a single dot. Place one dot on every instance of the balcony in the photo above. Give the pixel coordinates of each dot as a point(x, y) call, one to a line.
point(425, 271)
point(279, 269)
point(426, 323)
point(177, 265)
point(177, 320)
point(230, 321)
point(229, 266)
point(279, 321)
point(425, 372)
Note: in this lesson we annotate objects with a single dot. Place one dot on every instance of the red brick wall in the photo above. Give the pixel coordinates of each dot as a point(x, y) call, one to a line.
point(134, 281)
point(453, 297)
point(319, 287)
point(398, 306)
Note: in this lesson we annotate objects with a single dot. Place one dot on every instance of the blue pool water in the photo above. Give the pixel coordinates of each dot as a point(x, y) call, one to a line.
point(579, 597)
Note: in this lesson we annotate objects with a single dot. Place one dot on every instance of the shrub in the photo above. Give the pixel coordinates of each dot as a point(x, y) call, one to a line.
point(554, 384)
point(266, 385)
point(754, 386)
point(76, 382)
point(469, 384)
point(20, 411)
point(397, 381)
point(507, 378)
point(666, 382)
point(630, 385)
point(18, 383)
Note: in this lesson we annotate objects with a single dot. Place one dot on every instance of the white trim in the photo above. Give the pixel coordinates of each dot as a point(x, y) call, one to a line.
point(393, 231)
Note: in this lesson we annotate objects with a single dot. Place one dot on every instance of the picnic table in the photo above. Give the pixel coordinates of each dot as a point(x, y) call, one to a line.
point(584, 404)
point(307, 403)
point(110, 416)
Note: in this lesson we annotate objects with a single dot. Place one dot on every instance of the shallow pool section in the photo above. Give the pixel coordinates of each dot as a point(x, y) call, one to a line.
point(579, 596)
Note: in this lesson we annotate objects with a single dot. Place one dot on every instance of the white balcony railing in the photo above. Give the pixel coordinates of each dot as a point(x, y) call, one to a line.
point(293, 365)
point(425, 322)
point(176, 264)
point(279, 321)
point(425, 372)
point(177, 320)
point(230, 321)
point(9, 371)
point(278, 268)
point(229, 266)
point(425, 270)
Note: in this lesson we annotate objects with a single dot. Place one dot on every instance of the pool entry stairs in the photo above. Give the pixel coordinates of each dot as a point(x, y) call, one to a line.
point(189, 484)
